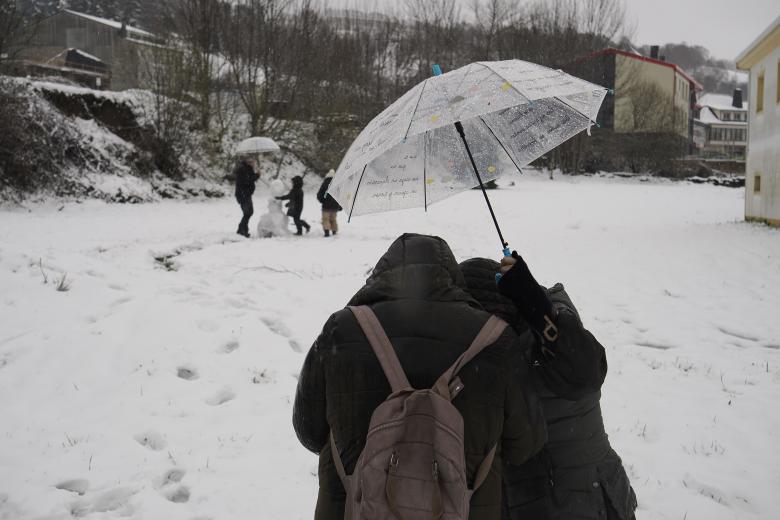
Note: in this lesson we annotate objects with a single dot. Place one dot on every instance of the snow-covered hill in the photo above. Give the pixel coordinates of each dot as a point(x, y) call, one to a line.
point(159, 385)
point(77, 143)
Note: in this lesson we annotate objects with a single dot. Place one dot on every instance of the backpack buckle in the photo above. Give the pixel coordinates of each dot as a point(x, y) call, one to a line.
point(550, 331)
point(456, 385)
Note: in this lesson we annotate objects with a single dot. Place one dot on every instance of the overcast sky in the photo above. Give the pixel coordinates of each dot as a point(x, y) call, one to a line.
point(725, 27)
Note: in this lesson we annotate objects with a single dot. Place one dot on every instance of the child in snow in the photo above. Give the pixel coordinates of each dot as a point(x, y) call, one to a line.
point(330, 208)
point(295, 204)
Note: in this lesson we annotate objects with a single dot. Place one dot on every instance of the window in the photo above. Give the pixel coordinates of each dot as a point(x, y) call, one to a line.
point(760, 93)
point(757, 183)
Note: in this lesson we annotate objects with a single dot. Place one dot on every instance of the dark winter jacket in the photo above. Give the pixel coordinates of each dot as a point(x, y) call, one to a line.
point(245, 180)
point(328, 202)
point(417, 292)
point(295, 206)
point(577, 475)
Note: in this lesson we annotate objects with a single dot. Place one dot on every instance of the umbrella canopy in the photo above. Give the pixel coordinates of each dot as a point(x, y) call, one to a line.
point(256, 145)
point(512, 112)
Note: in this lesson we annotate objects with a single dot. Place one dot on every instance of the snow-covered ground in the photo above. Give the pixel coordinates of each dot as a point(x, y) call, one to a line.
point(148, 393)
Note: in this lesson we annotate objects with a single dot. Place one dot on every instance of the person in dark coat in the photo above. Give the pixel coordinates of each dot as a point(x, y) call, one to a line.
point(330, 208)
point(577, 475)
point(246, 177)
point(295, 204)
point(418, 294)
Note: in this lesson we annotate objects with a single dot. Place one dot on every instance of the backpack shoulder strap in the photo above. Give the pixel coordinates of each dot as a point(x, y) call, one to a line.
point(382, 346)
point(490, 332)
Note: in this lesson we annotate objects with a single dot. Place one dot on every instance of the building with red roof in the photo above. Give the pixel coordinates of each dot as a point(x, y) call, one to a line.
point(651, 95)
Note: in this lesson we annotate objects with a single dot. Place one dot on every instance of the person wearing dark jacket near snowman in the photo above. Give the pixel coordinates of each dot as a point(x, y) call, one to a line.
point(246, 177)
point(295, 204)
point(577, 476)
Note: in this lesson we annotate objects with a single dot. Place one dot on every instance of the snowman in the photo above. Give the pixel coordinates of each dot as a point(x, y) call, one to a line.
point(274, 222)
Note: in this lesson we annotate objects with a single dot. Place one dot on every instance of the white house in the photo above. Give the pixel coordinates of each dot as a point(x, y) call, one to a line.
point(762, 186)
point(721, 126)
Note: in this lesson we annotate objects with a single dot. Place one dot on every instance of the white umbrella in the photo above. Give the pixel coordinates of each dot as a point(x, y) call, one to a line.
point(256, 145)
point(455, 131)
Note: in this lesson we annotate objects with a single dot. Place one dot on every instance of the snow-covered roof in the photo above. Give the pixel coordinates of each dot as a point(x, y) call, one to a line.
point(720, 102)
point(110, 23)
point(708, 117)
point(85, 54)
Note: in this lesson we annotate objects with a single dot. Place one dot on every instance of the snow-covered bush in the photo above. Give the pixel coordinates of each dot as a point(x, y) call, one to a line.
point(72, 141)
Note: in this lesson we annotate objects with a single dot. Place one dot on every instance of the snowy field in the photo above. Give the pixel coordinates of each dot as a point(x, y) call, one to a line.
point(147, 392)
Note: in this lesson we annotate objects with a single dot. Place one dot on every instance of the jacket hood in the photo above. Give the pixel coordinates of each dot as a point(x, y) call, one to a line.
point(480, 278)
point(415, 267)
point(297, 181)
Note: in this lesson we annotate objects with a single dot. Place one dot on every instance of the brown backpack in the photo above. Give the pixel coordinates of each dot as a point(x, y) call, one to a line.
point(413, 466)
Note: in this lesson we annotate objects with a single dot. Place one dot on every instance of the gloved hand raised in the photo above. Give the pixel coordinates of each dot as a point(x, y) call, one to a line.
point(518, 284)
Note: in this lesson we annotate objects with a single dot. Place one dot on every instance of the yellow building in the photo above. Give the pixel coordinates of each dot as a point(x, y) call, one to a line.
point(670, 87)
point(762, 185)
point(651, 94)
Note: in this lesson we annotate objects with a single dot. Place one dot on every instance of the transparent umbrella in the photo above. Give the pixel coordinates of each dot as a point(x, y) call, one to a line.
point(256, 145)
point(458, 130)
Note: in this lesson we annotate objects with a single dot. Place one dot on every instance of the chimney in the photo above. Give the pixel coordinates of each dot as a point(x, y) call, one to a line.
point(654, 52)
point(736, 101)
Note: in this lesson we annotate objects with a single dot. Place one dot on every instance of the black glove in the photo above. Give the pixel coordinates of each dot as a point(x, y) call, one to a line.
point(531, 299)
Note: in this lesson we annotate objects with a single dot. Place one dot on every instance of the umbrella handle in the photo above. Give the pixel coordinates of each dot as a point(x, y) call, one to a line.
point(507, 252)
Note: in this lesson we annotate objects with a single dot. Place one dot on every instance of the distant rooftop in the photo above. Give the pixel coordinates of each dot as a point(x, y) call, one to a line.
point(720, 102)
point(611, 50)
point(110, 23)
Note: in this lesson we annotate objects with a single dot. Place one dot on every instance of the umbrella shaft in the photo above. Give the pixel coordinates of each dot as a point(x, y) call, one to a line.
point(459, 128)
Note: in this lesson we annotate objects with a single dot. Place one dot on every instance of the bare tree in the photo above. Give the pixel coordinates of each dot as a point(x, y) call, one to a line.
point(199, 25)
point(435, 34)
point(15, 30)
point(168, 114)
point(491, 17)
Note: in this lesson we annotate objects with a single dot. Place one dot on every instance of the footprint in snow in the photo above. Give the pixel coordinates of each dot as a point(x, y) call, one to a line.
point(179, 495)
point(151, 439)
point(113, 500)
point(187, 373)
point(277, 327)
point(120, 301)
point(739, 335)
point(221, 397)
point(654, 345)
point(172, 476)
point(169, 486)
point(76, 485)
point(229, 347)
